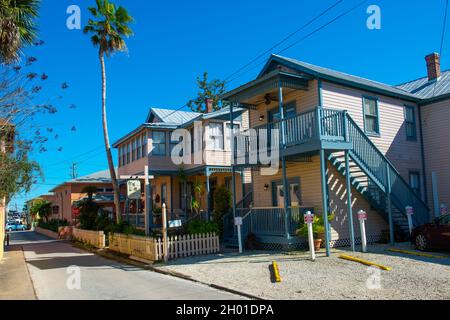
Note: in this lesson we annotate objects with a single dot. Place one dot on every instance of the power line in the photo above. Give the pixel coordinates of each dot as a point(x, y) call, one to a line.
point(443, 28)
point(306, 36)
point(285, 38)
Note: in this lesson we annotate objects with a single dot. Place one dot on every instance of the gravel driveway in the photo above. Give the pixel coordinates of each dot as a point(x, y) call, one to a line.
point(411, 277)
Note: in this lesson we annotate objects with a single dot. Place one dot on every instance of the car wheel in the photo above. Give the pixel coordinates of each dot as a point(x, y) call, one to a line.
point(421, 242)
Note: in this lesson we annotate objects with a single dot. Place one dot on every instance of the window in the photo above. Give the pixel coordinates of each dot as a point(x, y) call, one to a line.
point(120, 156)
point(123, 155)
point(410, 123)
point(159, 143)
point(228, 183)
point(414, 181)
point(236, 128)
point(294, 197)
point(163, 194)
point(138, 147)
point(370, 110)
point(173, 143)
point(215, 136)
point(289, 111)
point(128, 152)
point(133, 150)
point(144, 145)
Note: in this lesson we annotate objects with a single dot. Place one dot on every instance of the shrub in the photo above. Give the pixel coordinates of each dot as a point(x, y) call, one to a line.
point(222, 202)
point(197, 226)
point(53, 224)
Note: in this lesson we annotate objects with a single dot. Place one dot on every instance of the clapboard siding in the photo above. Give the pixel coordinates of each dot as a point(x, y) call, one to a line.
point(304, 100)
point(436, 136)
point(404, 154)
point(311, 195)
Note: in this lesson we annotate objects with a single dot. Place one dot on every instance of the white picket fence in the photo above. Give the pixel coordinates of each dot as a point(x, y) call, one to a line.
point(188, 245)
point(152, 249)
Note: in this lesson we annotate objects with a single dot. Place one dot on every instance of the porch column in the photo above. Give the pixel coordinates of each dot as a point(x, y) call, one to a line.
point(233, 170)
point(208, 189)
point(389, 205)
point(323, 178)
point(243, 188)
point(349, 200)
point(283, 161)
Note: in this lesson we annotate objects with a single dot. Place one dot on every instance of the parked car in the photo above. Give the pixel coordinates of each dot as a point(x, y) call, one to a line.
point(435, 235)
point(15, 227)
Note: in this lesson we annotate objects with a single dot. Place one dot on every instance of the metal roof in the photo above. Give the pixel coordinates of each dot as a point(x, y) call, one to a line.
point(96, 177)
point(174, 116)
point(426, 89)
point(344, 78)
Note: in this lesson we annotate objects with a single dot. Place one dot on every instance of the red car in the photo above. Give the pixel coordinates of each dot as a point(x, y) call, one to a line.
point(434, 235)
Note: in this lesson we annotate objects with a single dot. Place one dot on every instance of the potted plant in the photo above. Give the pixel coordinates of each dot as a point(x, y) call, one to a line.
point(318, 230)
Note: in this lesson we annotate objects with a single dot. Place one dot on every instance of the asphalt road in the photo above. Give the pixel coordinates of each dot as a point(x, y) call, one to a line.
point(54, 267)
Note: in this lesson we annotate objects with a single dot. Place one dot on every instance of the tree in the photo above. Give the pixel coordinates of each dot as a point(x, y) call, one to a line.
point(17, 27)
point(109, 26)
point(207, 90)
point(41, 208)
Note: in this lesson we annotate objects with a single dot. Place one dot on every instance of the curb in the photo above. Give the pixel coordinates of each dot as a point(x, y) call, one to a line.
point(110, 256)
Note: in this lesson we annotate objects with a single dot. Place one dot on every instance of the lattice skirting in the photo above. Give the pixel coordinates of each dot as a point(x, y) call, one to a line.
point(345, 242)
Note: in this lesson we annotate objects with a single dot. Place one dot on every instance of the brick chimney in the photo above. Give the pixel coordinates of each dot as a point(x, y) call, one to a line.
point(433, 66)
point(209, 105)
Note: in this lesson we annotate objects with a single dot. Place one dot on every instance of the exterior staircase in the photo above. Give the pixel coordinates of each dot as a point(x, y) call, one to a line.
point(374, 176)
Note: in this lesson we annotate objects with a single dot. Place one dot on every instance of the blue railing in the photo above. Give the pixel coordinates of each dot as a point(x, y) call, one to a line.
point(313, 125)
point(375, 163)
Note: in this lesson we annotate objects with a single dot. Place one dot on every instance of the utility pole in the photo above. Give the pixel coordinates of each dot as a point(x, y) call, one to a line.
point(73, 173)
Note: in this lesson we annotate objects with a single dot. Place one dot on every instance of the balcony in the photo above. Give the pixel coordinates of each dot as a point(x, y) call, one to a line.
point(305, 133)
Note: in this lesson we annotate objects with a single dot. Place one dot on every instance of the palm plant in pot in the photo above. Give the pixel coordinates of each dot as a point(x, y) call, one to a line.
point(318, 230)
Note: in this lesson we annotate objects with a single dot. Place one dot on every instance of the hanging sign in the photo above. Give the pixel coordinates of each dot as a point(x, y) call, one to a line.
point(134, 189)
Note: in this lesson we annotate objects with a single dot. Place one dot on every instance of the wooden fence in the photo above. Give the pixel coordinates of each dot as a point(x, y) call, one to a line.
point(94, 238)
point(152, 249)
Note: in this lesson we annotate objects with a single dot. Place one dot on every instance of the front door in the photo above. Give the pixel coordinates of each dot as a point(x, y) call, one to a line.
point(294, 195)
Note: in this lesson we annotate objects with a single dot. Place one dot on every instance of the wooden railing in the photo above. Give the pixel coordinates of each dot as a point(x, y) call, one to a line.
point(94, 238)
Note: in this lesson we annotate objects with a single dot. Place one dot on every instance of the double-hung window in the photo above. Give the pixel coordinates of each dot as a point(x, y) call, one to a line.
point(128, 152)
point(371, 120)
point(414, 181)
point(133, 150)
point(410, 123)
point(159, 143)
point(120, 156)
point(236, 127)
point(215, 137)
point(144, 145)
point(138, 147)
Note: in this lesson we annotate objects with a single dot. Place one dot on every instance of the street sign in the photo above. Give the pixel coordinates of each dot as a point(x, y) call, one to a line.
point(409, 211)
point(174, 223)
point(134, 189)
point(362, 215)
point(238, 221)
point(308, 217)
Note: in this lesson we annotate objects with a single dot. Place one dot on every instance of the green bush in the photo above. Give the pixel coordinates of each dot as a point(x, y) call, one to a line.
point(53, 224)
point(124, 227)
point(198, 226)
point(222, 203)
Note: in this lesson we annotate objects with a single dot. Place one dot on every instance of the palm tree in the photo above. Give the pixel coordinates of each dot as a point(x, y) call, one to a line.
point(17, 27)
point(109, 26)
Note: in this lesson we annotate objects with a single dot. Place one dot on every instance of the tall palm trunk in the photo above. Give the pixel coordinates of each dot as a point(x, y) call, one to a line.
point(112, 171)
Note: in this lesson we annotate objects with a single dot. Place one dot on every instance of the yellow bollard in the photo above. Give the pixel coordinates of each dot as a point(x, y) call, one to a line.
point(367, 263)
point(276, 272)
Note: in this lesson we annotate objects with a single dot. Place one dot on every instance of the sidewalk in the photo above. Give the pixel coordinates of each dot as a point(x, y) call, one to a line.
point(15, 281)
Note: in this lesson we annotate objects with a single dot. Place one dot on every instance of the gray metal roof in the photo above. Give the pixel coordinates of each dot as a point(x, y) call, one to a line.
point(98, 177)
point(336, 75)
point(174, 117)
point(426, 89)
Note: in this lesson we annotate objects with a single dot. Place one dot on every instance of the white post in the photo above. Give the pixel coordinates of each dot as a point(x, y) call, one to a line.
point(164, 232)
point(238, 224)
point(362, 216)
point(409, 213)
point(308, 219)
point(146, 201)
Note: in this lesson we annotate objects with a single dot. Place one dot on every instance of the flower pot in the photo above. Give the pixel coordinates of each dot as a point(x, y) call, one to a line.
point(317, 244)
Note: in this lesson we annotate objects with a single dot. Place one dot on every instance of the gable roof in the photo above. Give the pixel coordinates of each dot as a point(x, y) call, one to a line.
point(426, 89)
point(171, 116)
point(96, 177)
point(339, 77)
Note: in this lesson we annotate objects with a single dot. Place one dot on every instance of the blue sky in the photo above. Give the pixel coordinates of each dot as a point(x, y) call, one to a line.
point(175, 41)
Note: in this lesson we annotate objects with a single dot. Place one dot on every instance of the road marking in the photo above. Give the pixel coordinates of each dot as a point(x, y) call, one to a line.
point(367, 263)
point(421, 254)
